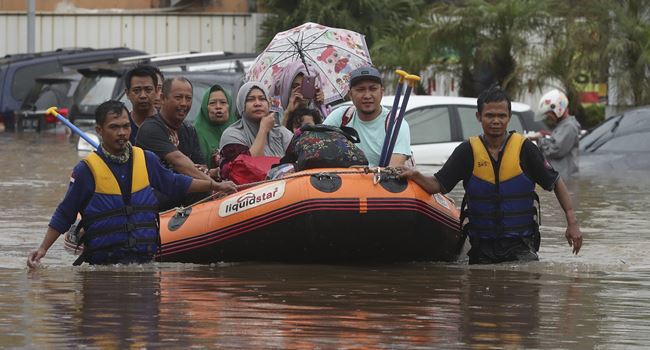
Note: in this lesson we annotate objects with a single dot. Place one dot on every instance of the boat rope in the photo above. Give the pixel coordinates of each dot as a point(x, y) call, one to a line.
point(377, 171)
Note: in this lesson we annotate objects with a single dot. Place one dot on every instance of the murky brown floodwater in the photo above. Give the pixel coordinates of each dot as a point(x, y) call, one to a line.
point(599, 299)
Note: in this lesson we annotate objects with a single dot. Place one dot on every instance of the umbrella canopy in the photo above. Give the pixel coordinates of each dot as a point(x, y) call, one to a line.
point(328, 53)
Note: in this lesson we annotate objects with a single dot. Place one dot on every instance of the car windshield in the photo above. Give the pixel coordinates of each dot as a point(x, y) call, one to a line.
point(635, 142)
point(626, 123)
point(589, 141)
point(92, 91)
point(53, 95)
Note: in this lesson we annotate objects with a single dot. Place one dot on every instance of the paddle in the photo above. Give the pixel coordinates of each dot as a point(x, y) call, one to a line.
point(391, 121)
point(53, 111)
point(411, 81)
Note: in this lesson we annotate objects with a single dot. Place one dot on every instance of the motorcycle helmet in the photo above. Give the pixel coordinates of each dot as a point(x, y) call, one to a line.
point(553, 101)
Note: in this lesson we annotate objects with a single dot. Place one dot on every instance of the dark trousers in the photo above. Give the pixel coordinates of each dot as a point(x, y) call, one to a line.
point(493, 251)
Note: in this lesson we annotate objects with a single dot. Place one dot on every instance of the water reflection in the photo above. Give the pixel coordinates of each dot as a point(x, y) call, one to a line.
point(413, 306)
point(594, 300)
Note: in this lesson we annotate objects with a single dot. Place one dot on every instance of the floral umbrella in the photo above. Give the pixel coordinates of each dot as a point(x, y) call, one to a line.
point(330, 54)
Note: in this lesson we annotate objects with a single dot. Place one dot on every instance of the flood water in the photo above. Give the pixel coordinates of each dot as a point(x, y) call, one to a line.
point(599, 299)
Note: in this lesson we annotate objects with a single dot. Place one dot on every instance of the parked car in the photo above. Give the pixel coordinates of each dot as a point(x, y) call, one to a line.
point(619, 144)
point(50, 90)
point(102, 82)
point(201, 82)
point(440, 123)
point(19, 72)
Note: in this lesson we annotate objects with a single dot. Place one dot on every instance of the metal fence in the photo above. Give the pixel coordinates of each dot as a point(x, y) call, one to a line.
point(153, 33)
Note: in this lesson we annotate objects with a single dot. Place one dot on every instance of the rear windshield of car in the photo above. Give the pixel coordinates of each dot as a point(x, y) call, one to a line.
point(92, 91)
point(25, 77)
point(45, 95)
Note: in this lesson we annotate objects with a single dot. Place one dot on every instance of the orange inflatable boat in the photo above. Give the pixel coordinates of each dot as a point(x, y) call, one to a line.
point(318, 215)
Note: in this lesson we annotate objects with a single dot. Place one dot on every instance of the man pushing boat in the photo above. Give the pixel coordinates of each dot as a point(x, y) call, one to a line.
point(112, 188)
point(499, 170)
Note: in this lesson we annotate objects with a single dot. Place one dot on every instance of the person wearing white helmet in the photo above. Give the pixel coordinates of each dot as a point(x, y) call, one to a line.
point(561, 146)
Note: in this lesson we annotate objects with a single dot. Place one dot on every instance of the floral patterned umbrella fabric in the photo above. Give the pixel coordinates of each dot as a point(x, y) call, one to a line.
point(328, 53)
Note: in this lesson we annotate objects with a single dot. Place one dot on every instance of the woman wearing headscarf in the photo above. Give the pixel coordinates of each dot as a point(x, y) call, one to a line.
point(288, 88)
point(216, 114)
point(255, 133)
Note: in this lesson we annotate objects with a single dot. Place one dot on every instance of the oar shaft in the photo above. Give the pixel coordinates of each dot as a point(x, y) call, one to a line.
point(398, 125)
point(411, 80)
point(74, 128)
point(392, 116)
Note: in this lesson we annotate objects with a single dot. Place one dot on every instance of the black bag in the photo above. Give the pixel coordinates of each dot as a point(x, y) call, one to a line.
point(324, 146)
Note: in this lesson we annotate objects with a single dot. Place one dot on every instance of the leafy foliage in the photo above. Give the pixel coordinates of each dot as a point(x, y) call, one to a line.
point(373, 18)
point(629, 50)
point(521, 44)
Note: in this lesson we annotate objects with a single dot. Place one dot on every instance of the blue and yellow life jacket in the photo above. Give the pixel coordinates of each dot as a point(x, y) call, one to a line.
point(120, 229)
point(500, 201)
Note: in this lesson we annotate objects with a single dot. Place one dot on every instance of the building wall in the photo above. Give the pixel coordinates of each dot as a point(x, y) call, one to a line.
point(213, 6)
point(152, 33)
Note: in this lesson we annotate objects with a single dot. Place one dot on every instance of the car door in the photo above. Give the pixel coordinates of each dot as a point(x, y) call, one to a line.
point(431, 134)
point(470, 126)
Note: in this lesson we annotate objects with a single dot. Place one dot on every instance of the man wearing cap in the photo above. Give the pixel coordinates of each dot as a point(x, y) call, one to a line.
point(368, 118)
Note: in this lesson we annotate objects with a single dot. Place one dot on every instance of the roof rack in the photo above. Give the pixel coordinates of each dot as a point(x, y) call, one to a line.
point(152, 56)
point(60, 51)
point(190, 56)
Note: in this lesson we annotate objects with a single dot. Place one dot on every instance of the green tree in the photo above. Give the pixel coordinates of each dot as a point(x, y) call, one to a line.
point(629, 50)
point(480, 41)
point(373, 18)
point(574, 40)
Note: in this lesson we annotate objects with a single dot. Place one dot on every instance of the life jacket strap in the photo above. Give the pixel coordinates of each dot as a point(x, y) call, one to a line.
point(129, 227)
point(132, 242)
point(500, 214)
point(499, 230)
point(123, 211)
point(501, 197)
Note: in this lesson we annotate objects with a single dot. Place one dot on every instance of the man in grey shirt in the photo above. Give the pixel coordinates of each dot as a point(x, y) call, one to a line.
point(561, 146)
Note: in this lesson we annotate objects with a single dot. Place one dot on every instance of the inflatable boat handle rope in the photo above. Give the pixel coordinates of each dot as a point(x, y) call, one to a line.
point(387, 172)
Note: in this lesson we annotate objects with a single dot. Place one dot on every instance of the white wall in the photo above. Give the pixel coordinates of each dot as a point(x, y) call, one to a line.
point(153, 33)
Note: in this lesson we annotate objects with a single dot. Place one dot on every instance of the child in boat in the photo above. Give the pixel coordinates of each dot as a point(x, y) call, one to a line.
point(303, 116)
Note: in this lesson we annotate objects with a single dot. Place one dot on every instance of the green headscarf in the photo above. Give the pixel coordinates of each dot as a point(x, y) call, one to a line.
point(208, 131)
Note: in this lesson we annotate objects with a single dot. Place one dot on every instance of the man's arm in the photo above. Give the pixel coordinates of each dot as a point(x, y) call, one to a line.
point(573, 234)
point(34, 258)
point(560, 143)
point(428, 183)
point(200, 185)
point(402, 149)
point(397, 160)
point(458, 167)
point(81, 188)
point(177, 185)
point(183, 165)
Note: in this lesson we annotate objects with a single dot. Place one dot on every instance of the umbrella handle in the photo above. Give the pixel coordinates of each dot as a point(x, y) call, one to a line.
point(53, 111)
point(411, 81)
point(391, 116)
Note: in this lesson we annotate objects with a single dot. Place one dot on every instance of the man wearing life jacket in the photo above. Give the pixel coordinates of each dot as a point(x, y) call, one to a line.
point(112, 188)
point(499, 170)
